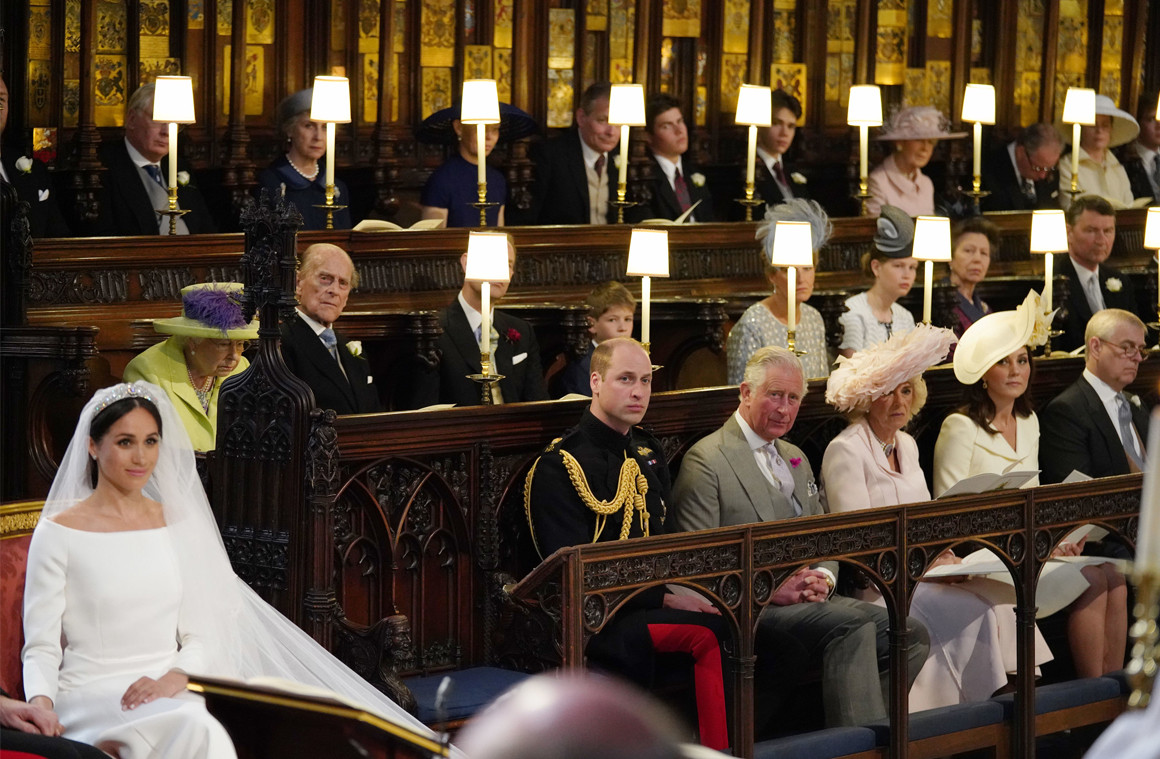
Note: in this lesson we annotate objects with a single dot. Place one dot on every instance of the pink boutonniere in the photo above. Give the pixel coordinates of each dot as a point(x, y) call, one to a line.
point(513, 335)
point(794, 463)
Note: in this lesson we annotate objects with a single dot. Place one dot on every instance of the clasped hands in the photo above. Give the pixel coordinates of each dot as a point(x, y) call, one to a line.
point(146, 689)
point(804, 586)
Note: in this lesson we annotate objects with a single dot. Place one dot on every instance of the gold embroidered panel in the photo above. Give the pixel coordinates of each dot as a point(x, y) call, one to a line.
point(38, 85)
point(784, 30)
point(437, 35)
point(733, 72)
point(437, 93)
point(370, 88)
point(560, 97)
point(981, 75)
point(502, 69)
point(71, 86)
point(151, 68)
point(938, 86)
point(337, 25)
point(252, 82)
point(596, 15)
point(622, 17)
point(939, 21)
point(1071, 52)
point(502, 23)
point(681, 18)
point(112, 35)
point(914, 89)
point(561, 38)
point(666, 73)
point(153, 30)
point(890, 64)
point(790, 77)
point(839, 74)
point(368, 28)
point(195, 14)
point(260, 22)
point(225, 17)
point(477, 62)
point(1111, 60)
point(736, 27)
point(109, 90)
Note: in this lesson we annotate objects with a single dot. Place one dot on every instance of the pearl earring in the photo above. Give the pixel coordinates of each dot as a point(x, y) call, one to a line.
point(984, 384)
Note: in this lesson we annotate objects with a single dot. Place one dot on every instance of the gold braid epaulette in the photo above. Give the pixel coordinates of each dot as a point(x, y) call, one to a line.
point(630, 492)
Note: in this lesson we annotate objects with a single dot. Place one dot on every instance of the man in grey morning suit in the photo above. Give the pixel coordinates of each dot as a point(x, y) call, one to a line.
point(745, 473)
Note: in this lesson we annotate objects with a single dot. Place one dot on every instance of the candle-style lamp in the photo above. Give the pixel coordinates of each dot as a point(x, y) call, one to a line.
point(793, 246)
point(1079, 107)
point(480, 106)
point(1152, 242)
point(330, 104)
point(979, 108)
point(625, 108)
point(864, 111)
point(755, 108)
point(487, 262)
point(1141, 670)
point(173, 102)
point(648, 257)
point(932, 242)
point(1048, 237)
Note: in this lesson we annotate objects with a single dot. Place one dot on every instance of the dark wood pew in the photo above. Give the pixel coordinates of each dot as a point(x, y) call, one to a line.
point(428, 507)
point(577, 590)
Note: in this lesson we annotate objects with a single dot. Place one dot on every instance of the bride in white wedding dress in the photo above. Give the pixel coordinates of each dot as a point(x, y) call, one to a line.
point(129, 589)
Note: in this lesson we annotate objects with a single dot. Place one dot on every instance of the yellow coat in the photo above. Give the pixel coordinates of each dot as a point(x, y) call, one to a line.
point(164, 366)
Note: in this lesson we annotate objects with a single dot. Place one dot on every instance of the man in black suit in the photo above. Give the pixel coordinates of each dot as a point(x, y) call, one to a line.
point(773, 179)
point(676, 185)
point(333, 367)
point(1094, 426)
point(1092, 285)
point(573, 183)
point(1141, 159)
point(1021, 175)
point(136, 180)
point(515, 354)
point(31, 180)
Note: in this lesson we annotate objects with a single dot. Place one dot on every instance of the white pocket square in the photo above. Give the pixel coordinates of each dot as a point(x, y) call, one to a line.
point(43, 195)
point(370, 379)
point(517, 359)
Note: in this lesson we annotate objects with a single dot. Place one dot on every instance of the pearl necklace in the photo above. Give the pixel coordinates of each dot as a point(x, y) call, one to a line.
point(307, 177)
point(204, 391)
point(887, 448)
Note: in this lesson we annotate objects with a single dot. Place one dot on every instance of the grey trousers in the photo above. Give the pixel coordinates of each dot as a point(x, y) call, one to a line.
point(849, 639)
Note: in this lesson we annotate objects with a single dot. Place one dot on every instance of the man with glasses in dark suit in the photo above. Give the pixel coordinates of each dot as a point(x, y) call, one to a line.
point(1021, 176)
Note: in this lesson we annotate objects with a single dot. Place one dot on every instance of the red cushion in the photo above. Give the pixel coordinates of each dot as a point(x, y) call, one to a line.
point(13, 562)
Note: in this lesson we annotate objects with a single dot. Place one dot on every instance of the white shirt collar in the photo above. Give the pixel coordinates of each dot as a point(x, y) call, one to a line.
point(474, 318)
point(1147, 157)
point(1083, 272)
point(1106, 392)
point(755, 441)
point(769, 159)
point(135, 156)
point(590, 157)
point(668, 167)
point(314, 324)
point(1011, 154)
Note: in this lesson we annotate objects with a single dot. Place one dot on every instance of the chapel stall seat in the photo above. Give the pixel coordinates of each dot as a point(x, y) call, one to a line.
point(17, 520)
point(469, 691)
point(952, 729)
point(858, 742)
point(1072, 704)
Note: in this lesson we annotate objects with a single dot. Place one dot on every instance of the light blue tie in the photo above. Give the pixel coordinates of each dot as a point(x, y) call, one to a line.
point(330, 341)
point(1127, 431)
point(155, 171)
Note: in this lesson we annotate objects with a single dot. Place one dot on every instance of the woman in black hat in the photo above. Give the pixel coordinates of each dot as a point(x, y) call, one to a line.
point(300, 174)
point(452, 191)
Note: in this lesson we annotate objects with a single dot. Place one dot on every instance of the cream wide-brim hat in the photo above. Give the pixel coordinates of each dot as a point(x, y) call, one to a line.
point(212, 310)
point(1124, 125)
point(994, 337)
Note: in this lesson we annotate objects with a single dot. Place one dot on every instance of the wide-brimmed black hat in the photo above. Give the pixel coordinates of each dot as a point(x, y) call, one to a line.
point(514, 123)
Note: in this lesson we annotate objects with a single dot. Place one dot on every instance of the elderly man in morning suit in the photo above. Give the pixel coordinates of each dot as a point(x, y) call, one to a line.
point(136, 182)
point(745, 473)
point(1094, 426)
point(334, 368)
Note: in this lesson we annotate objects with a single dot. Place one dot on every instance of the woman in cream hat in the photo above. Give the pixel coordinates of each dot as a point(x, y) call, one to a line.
point(995, 430)
point(205, 346)
point(898, 180)
point(1100, 172)
point(874, 463)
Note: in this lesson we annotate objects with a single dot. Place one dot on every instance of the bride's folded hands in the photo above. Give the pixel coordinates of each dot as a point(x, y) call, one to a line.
point(147, 689)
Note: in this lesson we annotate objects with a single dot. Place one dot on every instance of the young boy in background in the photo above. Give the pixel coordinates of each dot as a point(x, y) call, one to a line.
point(610, 314)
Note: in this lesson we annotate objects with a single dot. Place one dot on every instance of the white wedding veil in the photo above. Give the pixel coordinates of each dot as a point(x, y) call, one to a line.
point(244, 636)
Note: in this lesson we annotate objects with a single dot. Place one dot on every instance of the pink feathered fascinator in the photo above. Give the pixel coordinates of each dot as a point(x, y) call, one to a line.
point(872, 373)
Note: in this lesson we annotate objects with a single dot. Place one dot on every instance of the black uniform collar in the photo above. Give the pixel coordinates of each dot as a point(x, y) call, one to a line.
point(602, 434)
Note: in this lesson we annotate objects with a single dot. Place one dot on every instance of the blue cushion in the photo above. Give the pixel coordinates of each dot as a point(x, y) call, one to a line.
point(1059, 696)
point(820, 744)
point(1121, 677)
point(943, 720)
point(471, 689)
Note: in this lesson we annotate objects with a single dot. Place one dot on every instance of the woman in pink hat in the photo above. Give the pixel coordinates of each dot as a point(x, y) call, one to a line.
point(898, 180)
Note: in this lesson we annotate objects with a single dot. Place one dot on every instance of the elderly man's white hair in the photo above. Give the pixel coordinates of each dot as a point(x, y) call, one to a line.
point(797, 209)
